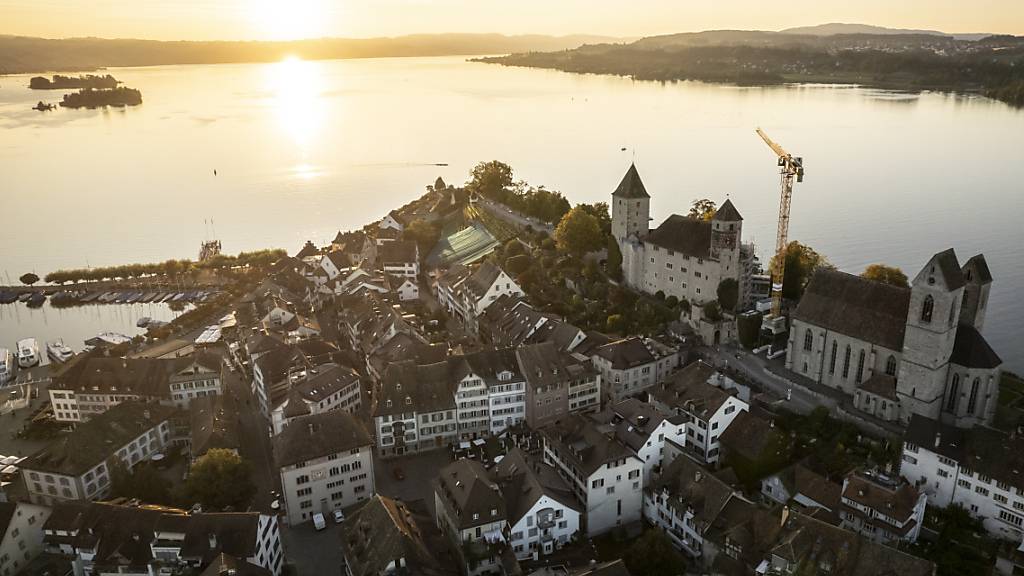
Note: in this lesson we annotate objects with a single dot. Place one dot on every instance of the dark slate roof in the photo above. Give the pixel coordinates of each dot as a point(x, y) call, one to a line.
point(319, 435)
point(410, 388)
point(397, 252)
point(98, 439)
point(6, 513)
point(120, 534)
point(631, 185)
point(385, 531)
point(895, 501)
point(582, 442)
point(798, 479)
point(524, 481)
point(949, 267)
point(880, 384)
point(235, 532)
point(688, 236)
point(212, 425)
point(971, 350)
point(749, 436)
point(545, 365)
point(980, 273)
point(226, 564)
point(148, 377)
point(694, 396)
point(689, 485)
point(634, 421)
point(465, 489)
point(727, 212)
point(482, 279)
point(626, 353)
point(308, 250)
point(864, 309)
point(610, 568)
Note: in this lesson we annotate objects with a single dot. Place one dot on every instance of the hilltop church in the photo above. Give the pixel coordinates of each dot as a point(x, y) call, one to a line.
point(902, 351)
point(683, 257)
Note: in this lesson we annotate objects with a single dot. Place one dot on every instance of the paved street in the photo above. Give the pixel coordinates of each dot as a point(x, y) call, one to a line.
point(313, 553)
point(756, 369)
point(419, 470)
point(254, 442)
point(514, 217)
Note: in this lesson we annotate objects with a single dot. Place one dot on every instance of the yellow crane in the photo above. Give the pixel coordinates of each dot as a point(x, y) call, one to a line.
point(791, 169)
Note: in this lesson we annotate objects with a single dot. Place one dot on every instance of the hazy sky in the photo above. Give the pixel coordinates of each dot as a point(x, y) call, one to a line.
point(288, 19)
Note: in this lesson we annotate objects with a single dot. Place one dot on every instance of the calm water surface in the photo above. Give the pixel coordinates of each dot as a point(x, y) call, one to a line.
point(303, 149)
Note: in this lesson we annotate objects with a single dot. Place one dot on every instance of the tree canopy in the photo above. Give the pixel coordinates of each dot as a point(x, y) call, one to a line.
point(653, 555)
point(613, 266)
point(886, 274)
point(801, 262)
point(490, 178)
point(728, 294)
point(218, 479)
point(579, 232)
point(29, 278)
point(599, 210)
point(703, 209)
point(424, 234)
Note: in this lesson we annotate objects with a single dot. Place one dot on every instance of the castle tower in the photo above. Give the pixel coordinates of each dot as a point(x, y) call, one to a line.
point(631, 207)
point(726, 229)
point(977, 282)
point(932, 318)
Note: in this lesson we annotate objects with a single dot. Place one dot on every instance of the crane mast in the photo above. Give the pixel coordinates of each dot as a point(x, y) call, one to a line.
point(791, 169)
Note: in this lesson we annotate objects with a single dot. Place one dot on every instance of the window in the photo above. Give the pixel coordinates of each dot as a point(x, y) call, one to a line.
point(981, 490)
point(860, 367)
point(942, 473)
point(302, 479)
point(832, 362)
point(808, 340)
point(1000, 498)
point(954, 389)
point(927, 308)
point(972, 400)
point(846, 362)
point(1010, 518)
point(890, 366)
point(952, 312)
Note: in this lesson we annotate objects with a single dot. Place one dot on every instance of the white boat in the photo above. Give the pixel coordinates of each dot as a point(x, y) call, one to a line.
point(58, 351)
point(6, 366)
point(28, 352)
point(144, 321)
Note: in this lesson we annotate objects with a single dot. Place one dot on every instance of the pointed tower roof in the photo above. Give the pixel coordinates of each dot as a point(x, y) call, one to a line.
point(979, 266)
point(949, 268)
point(728, 213)
point(631, 186)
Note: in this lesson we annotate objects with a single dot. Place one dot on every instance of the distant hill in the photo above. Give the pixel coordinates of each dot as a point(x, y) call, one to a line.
point(22, 54)
point(836, 28)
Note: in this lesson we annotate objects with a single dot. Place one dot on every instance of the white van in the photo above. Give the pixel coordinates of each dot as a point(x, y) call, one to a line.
point(319, 522)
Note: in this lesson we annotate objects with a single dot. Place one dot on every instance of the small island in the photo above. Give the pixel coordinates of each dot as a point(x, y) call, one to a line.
point(73, 82)
point(43, 106)
point(90, 98)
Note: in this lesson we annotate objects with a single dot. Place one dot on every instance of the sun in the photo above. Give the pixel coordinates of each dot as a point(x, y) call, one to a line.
point(288, 19)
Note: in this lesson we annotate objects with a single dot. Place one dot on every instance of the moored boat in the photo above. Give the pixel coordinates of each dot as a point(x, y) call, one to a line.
point(6, 366)
point(28, 352)
point(58, 351)
point(143, 322)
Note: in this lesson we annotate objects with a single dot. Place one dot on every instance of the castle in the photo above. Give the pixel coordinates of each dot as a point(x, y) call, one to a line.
point(683, 257)
point(902, 351)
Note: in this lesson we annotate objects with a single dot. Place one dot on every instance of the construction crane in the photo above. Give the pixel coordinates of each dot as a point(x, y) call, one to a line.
point(791, 168)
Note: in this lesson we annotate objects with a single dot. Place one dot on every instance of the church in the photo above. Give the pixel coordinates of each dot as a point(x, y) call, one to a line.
point(902, 351)
point(683, 257)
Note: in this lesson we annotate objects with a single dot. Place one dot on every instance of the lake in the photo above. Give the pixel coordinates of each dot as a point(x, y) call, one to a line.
point(303, 149)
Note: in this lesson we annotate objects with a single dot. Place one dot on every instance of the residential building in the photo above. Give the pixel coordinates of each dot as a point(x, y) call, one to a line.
point(557, 383)
point(710, 409)
point(400, 258)
point(465, 293)
point(394, 220)
point(543, 515)
point(316, 390)
point(103, 538)
point(212, 425)
point(79, 465)
point(645, 430)
point(604, 474)
point(92, 383)
point(325, 463)
point(685, 501)
point(798, 485)
point(978, 469)
point(632, 365)
point(882, 509)
point(683, 257)
point(470, 510)
point(919, 347)
point(21, 535)
point(387, 537)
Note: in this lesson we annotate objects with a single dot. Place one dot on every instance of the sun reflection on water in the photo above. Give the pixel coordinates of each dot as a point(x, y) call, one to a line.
point(296, 86)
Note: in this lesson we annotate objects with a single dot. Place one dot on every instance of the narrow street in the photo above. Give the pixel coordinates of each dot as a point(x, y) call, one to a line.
point(514, 217)
point(756, 369)
point(253, 439)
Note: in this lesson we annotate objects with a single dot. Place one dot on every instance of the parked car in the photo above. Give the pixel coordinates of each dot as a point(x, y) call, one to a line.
point(339, 516)
point(319, 522)
point(398, 473)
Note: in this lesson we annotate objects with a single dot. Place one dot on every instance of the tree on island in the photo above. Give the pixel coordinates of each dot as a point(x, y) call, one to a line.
point(219, 479)
point(29, 279)
point(579, 232)
point(703, 209)
point(801, 262)
point(886, 274)
point(490, 179)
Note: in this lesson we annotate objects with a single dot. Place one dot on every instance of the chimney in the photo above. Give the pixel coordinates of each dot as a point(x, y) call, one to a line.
point(698, 476)
point(785, 516)
point(145, 414)
point(938, 439)
point(213, 540)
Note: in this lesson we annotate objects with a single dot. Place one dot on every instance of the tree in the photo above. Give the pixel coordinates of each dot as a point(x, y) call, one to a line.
point(712, 312)
point(613, 266)
point(886, 274)
point(517, 264)
point(801, 262)
point(728, 294)
point(514, 248)
point(599, 210)
point(653, 555)
point(490, 178)
point(218, 479)
point(579, 233)
point(616, 324)
point(702, 209)
point(29, 279)
point(423, 233)
point(142, 482)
